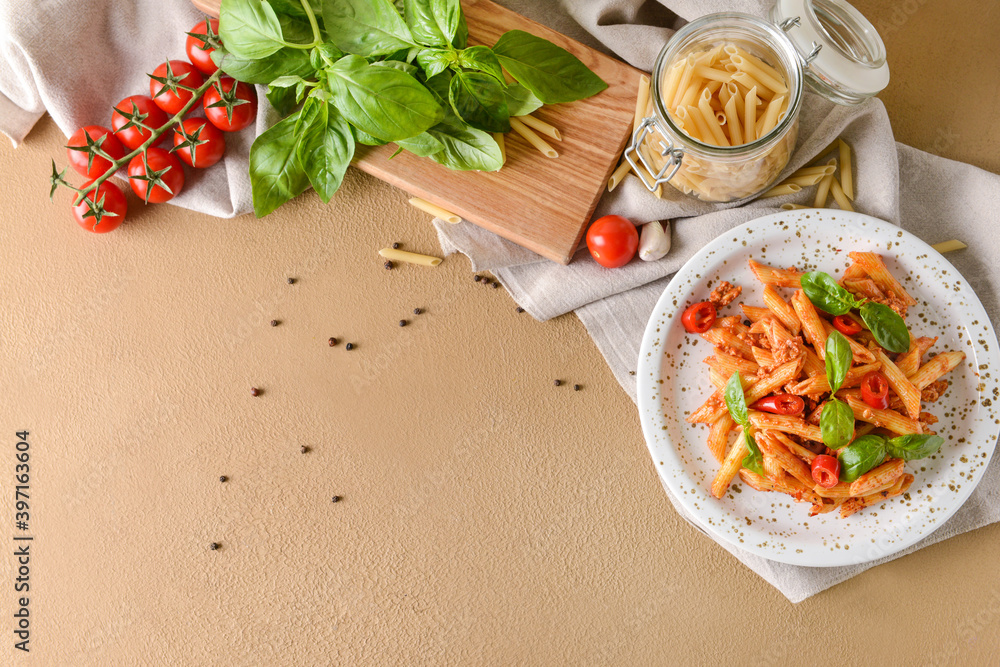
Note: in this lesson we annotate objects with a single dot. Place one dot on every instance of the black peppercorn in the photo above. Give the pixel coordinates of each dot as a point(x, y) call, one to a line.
point(335, 499)
point(223, 478)
point(254, 391)
point(349, 346)
point(274, 323)
point(747, 323)
point(388, 265)
point(291, 281)
point(631, 372)
point(333, 341)
point(402, 323)
point(557, 382)
point(495, 284)
point(213, 546)
point(520, 310)
point(477, 278)
point(417, 311)
point(576, 387)
point(304, 449)
point(395, 246)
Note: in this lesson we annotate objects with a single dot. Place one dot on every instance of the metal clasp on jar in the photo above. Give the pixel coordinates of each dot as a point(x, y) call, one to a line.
point(667, 150)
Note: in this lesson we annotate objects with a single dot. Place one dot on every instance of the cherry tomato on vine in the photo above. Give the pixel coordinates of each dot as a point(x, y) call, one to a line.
point(100, 138)
point(134, 118)
point(781, 404)
point(199, 49)
point(156, 176)
point(106, 210)
point(826, 471)
point(199, 143)
point(165, 82)
point(846, 325)
point(230, 105)
point(612, 240)
point(875, 390)
point(699, 317)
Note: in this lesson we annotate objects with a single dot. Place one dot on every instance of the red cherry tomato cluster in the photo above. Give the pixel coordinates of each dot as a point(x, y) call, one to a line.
point(157, 175)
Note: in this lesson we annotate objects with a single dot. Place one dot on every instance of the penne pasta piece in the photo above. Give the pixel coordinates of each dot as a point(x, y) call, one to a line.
point(642, 99)
point(712, 74)
point(529, 135)
point(618, 175)
point(750, 116)
point(823, 170)
point(804, 181)
point(781, 190)
point(773, 471)
point(548, 130)
point(709, 411)
point(788, 461)
point(753, 313)
point(846, 176)
point(411, 257)
point(789, 486)
point(838, 195)
point(874, 266)
point(842, 491)
point(786, 424)
point(863, 286)
point(909, 361)
point(704, 132)
point(793, 207)
point(812, 326)
point(821, 385)
point(725, 339)
point(949, 246)
point(823, 191)
point(708, 113)
point(823, 153)
point(888, 419)
point(905, 389)
point(777, 378)
point(782, 310)
point(730, 466)
point(855, 504)
point(670, 86)
point(754, 60)
point(861, 354)
point(727, 364)
point(814, 365)
point(795, 448)
point(777, 277)
point(885, 474)
point(435, 210)
point(774, 107)
point(936, 367)
point(683, 82)
point(746, 80)
point(718, 436)
point(763, 358)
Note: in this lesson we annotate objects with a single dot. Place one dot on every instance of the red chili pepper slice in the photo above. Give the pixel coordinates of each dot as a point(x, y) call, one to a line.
point(826, 471)
point(699, 317)
point(875, 390)
point(846, 325)
point(781, 404)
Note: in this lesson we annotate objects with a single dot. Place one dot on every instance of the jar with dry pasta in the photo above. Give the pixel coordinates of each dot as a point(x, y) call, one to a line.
point(722, 114)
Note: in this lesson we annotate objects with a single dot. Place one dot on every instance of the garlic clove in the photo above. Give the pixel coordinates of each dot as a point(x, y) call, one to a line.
point(654, 240)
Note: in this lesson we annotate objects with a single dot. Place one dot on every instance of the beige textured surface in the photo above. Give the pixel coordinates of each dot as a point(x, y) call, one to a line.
point(488, 516)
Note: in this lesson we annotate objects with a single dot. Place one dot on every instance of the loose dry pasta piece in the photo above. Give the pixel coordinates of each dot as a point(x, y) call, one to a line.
point(730, 466)
point(642, 99)
point(780, 190)
point(435, 210)
point(936, 367)
point(411, 257)
point(838, 195)
point(874, 266)
point(750, 115)
point(777, 277)
point(529, 135)
point(846, 176)
point(823, 191)
point(888, 419)
point(618, 175)
point(539, 125)
point(949, 246)
point(901, 385)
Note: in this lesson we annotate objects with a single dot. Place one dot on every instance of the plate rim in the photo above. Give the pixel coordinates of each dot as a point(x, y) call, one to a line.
point(649, 372)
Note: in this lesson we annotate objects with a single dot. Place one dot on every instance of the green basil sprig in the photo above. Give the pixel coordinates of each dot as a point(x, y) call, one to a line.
point(736, 403)
point(886, 325)
point(870, 450)
point(343, 72)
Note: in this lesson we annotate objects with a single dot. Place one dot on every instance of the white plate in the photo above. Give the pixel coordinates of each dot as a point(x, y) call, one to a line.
point(673, 381)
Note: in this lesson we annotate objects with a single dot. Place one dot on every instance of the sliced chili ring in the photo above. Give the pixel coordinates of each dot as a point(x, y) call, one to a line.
point(699, 317)
point(781, 404)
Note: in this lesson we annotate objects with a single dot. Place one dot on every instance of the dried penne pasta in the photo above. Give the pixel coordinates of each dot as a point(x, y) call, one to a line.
point(823, 191)
point(846, 176)
point(949, 246)
point(529, 135)
point(539, 125)
point(838, 195)
point(435, 210)
point(784, 189)
point(642, 100)
point(410, 257)
point(618, 175)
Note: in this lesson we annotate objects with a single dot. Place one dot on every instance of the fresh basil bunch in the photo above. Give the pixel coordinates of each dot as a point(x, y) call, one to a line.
point(869, 451)
point(343, 72)
point(736, 403)
point(886, 325)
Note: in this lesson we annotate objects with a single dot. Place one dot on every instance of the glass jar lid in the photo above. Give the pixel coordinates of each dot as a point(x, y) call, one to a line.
point(843, 57)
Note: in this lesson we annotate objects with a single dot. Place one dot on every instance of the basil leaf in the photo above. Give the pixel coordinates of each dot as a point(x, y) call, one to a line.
point(736, 402)
point(434, 61)
point(366, 27)
point(913, 446)
point(478, 99)
point(482, 59)
point(520, 100)
point(325, 146)
point(284, 62)
point(294, 7)
point(362, 137)
point(249, 28)
point(282, 99)
point(838, 359)
point(439, 85)
point(287, 81)
point(381, 101)
point(433, 22)
point(552, 73)
point(754, 461)
point(275, 174)
point(461, 38)
point(826, 294)
point(412, 70)
point(886, 326)
point(836, 424)
point(324, 55)
point(861, 456)
point(424, 144)
point(466, 148)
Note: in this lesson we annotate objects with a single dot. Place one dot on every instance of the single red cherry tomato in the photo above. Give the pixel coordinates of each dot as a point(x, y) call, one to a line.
point(699, 317)
point(875, 390)
point(230, 105)
point(612, 241)
point(846, 325)
point(132, 116)
point(781, 404)
point(164, 85)
point(158, 179)
point(106, 211)
point(199, 51)
point(80, 159)
point(826, 471)
point(199, 143)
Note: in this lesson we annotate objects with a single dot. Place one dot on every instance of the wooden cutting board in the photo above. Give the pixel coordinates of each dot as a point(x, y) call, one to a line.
point(543, 204)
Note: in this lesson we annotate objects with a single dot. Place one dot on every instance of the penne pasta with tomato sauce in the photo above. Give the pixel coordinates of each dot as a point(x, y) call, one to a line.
point(799, 367)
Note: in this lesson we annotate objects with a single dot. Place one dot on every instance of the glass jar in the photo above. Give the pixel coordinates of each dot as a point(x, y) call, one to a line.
point(826, 44)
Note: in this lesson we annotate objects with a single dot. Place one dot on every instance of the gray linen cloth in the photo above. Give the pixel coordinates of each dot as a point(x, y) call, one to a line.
point(934, 198)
